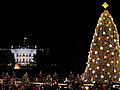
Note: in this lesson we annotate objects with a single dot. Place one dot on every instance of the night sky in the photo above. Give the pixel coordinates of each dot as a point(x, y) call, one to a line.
point(66, 28)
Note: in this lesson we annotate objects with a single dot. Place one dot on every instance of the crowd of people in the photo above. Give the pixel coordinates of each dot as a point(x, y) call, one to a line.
point(49, 82)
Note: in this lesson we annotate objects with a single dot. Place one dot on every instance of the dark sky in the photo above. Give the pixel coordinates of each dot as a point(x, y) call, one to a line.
point(66, 28)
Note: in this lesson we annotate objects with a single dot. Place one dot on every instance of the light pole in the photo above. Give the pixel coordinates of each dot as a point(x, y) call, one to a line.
point(24, 40)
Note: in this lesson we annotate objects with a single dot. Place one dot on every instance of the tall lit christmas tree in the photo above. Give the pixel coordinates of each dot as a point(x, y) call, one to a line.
point(103, 60)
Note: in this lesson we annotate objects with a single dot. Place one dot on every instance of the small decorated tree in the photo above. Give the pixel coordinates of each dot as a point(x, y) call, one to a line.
point(6, 78)
point(25, 80)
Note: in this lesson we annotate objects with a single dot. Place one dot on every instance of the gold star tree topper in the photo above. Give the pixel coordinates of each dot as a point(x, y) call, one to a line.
point(105, 5)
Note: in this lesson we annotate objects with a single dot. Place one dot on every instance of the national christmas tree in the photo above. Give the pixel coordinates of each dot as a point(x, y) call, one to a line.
point(103, 60)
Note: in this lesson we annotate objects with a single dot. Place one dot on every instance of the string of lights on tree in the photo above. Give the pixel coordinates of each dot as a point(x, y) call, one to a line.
point(103, 59)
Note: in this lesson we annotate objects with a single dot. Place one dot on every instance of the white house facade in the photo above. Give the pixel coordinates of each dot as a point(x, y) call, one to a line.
point(23, 55)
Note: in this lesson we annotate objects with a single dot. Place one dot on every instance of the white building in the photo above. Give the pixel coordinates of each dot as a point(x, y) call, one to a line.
point(24, 55)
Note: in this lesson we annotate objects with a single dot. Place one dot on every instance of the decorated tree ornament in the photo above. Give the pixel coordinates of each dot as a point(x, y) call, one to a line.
point(96, 52)
point(82, 78)
point(101, 23)
point(103, 17)
point(112, 53)
point(98, 58)
point(112, 36)
point(100, 28)
point(117, 61)
point(95, 75)
point(93, 60)
point(101, 48)
point(90, 69)
point(109, 22)
point(115, 31)
point(97, 67)
point(105, 42)
point(105, 57)
point(94, 43)
point(107, 50)
point(99, 38)
point(110, 45)
point(103, 69)
point(103, 33)
point(109, 76)
point(107, 37)
point(97, 25)
point(93, 71)
point(90, 51)
point(102, 76)
point(108, 64)
point(115, 40)
point(88, 65)
point(105, 14)
point(91, 79)
point(112, 61)
point(109, 29)
point(96, 34)
point(105, 5)
point(105, 81)
point(96, 62)
point(116, 47)
point(115, 70)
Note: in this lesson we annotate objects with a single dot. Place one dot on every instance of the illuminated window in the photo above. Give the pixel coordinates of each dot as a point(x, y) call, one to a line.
point(29, 55)
point(26, 60)
point(26, 54)
point(23, 54)
point(19, 54)
point(23, 60)
point(29, 60)
point(17, 60)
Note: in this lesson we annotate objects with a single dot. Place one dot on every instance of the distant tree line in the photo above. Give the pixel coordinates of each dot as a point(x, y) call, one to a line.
point(6, 57)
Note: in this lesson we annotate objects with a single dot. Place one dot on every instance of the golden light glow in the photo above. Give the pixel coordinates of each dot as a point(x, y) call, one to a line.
point(99, 38)
point(109, 29)
point(105, 42)
point(102, 76)
point(96, 52)
point(117, 61)
point(108, 64)
point(105, 57)
point(103, 33)
point(93, 71)
point(101, 48)
point(111, 35)
point(98, 67)
point(100, 28)
point(115, 70)
point(109, 22)
point(93, 60)
point(110, 45)
point(112, 53)
point(16, 66)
